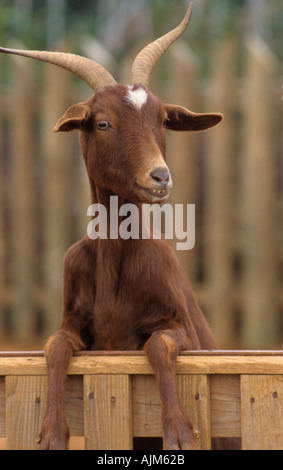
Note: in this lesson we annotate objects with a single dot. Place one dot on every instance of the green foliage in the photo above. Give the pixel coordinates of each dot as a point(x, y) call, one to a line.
point(37, 22)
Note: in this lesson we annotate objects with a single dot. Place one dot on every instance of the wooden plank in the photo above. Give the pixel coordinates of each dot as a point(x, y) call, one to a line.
point(184, 147)
point(146, 407)
point(194, 393)
point(2, 408)
point(185, 365)
point(25, 407)
point(75, 404)
point(220, 196)
point(57, 156)
point(128, 364)
point(23, 366)
point(193, 352)
point(23, 201)
point(260, 201)
point(225, 406)
point(2, 221)
point(107, 412)
point(262, 412)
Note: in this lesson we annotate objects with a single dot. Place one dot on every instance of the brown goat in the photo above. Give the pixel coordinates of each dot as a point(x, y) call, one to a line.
point(125, 294)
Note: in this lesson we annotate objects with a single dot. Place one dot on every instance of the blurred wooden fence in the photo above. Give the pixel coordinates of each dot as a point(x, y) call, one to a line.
point(232, 173)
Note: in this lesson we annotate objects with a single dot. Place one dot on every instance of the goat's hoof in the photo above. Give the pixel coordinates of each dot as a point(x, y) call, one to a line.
point(54, 434)
point(52, 443)
point(53, 439)
point(181, 444)
point(179, 435)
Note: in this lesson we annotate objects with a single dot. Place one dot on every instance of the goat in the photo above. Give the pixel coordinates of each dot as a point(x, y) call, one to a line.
point(125, 294)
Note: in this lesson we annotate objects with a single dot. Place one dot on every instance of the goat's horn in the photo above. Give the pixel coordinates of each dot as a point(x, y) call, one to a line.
point(92, 73)
point(148, 57)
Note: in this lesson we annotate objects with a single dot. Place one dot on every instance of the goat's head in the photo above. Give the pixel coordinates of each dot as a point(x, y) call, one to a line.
point(123, 127)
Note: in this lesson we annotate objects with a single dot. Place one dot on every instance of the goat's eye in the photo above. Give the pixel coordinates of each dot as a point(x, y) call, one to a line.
point(102, 125)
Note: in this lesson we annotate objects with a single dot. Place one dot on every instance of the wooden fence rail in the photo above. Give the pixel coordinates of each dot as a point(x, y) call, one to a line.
point(112, 397)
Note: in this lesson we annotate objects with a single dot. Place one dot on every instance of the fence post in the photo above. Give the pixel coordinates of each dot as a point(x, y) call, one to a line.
point(219, 196)
point(57, 154)
point(260, 199)
point(183, 148)
point(22, 197)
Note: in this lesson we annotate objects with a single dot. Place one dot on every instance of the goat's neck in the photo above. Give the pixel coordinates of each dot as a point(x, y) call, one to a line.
point(111, 252)
point(114, 246)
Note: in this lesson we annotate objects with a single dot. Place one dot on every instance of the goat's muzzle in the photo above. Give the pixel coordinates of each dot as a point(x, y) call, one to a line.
point(157, 185)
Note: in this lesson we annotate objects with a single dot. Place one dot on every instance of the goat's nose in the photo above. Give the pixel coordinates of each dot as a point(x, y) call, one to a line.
point(161, 176)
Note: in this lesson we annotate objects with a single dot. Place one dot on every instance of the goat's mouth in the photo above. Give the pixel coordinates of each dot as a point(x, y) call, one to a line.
point(155, 194)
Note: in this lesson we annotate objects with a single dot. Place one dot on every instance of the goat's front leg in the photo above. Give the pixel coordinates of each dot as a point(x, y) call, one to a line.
point(59, 349)
point(162, 350)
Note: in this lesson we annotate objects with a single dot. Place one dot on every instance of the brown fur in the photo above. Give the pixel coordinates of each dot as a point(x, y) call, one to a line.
point(126, 294)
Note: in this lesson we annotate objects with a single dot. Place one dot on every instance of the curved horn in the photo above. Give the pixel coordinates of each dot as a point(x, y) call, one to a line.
point(148, 57)
point(92, 73)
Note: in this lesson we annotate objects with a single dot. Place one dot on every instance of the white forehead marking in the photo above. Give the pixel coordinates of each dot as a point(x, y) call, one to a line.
point(137, 97)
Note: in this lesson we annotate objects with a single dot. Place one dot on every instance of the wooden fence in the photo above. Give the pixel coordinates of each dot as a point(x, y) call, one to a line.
point(113, 402)
point(232, 173)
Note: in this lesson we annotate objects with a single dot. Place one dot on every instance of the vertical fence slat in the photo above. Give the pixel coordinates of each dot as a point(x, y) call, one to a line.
point(260, 200)
point(194, 392)
point(183, 147)
point(146, 407)
point(220, 196)
point(225, 405)
point(22, 198)
point(2, 240)
point(262, 411)
point(57, 154)
point(108, 412)
point(2, 407)
point(25, 407)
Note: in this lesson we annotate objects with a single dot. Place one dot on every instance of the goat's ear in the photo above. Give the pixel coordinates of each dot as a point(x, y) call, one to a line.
point(76, 117)
point(181, 119)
